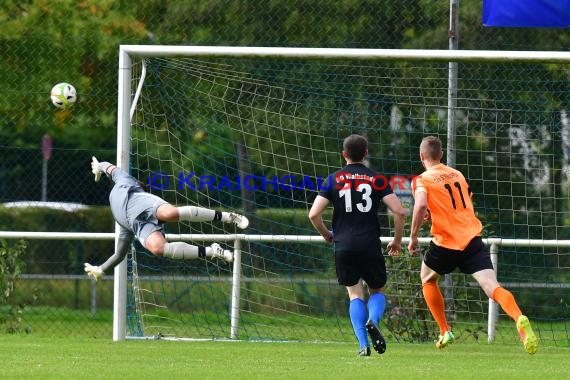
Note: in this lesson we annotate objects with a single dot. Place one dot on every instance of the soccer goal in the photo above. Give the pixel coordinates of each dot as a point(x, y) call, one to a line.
point(257, 130)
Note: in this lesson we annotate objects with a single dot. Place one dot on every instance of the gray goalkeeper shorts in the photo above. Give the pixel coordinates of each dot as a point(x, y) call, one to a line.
point(146, 222)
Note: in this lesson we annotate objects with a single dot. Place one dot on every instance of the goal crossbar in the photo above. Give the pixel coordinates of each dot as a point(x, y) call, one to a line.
point(365, 54)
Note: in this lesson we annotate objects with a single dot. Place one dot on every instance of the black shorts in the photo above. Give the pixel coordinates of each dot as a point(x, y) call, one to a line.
point(473, 258)
point(351, 266)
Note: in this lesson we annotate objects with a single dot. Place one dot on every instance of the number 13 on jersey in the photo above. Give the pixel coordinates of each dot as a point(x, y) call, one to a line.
point(363, 206)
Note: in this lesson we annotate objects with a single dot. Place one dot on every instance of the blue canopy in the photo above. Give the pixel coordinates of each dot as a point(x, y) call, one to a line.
point(527, 13)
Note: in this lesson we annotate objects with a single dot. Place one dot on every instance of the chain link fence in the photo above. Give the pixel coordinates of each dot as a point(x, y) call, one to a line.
point(44, 42)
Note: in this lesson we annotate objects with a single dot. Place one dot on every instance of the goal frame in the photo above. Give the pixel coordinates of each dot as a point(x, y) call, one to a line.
point(127, 104)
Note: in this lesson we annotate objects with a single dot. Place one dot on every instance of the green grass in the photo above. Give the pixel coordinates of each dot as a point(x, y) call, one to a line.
point(31, 357)
point(63, 322)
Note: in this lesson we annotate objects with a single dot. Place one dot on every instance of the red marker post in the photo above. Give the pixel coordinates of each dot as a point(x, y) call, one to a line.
point(47, 148)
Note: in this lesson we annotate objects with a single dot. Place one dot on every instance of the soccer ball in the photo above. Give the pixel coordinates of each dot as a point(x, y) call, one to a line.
point(63, 95)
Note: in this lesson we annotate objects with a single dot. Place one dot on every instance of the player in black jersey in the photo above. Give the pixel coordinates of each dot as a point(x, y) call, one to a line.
point(355, 192)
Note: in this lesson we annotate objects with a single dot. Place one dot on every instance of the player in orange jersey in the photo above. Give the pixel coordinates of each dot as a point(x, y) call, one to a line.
point(442, 194)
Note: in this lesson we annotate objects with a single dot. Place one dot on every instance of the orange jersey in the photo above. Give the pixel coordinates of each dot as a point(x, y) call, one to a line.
point(453, 220)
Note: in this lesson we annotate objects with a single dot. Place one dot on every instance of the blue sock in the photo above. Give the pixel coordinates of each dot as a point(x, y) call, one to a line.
point(358, 316)
point(376, 306)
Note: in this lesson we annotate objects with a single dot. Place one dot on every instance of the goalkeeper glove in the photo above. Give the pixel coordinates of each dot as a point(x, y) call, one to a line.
point(98, 167)
point(93, 271)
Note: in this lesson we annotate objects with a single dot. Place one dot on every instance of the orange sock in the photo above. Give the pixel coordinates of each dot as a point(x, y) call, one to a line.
point(436, 304)
point(507, 301)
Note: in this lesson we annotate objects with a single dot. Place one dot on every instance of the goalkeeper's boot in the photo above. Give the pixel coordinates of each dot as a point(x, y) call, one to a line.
point(93, 271)
point(95, 168)
point(528, 337)
point(364, 351)
point(220, 253)
point(376, 337)
point(444, 340)
point(239, 220)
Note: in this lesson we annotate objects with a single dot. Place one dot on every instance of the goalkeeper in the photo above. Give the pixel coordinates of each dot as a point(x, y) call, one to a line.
point(142, 215)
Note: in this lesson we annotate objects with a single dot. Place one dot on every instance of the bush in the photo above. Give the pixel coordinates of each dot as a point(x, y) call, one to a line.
point(11, 266)
point(60, 256)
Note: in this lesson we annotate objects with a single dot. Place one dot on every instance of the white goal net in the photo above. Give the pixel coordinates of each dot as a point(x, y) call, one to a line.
point(258, 130)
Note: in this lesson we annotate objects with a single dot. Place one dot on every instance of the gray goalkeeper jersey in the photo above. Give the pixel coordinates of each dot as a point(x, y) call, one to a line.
point(128, 201)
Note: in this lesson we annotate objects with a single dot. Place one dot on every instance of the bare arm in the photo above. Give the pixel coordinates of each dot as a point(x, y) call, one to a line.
point(393, 203)
point(418, 217)
point(316, 218)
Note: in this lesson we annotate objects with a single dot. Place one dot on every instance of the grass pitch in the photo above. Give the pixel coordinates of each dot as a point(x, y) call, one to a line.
point(30, 357)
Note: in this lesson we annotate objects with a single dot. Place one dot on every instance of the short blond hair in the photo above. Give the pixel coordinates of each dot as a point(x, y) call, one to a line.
point(431, 147)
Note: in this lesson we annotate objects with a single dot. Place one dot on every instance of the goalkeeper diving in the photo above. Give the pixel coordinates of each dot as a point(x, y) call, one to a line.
point(142, 215)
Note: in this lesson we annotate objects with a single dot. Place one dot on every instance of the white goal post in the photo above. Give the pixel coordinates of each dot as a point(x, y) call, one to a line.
point(127, 102)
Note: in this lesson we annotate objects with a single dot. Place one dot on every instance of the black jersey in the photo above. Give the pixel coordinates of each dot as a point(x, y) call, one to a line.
point(355, 192)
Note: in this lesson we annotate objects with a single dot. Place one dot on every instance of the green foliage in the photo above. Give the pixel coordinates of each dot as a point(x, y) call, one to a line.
point(45, 42)
point(406, 315)
point(316, 258)
point(48, 41)
point(11, 266)
point(62, 41)
point(67, 256)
